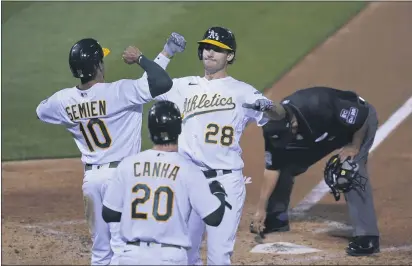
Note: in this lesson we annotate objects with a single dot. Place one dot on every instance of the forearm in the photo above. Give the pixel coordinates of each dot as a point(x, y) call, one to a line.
point(162, 59)
point(359, 136)
point(110, 216)
point(270, 178)
point(158, 79)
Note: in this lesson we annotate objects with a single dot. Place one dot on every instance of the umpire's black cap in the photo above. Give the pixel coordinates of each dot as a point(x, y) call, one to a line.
point(279, 132)
point(84, 57)
point(165, 122)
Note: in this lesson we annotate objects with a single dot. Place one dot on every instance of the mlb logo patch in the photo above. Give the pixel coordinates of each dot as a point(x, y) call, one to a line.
point(349, 115)
point(344, 113)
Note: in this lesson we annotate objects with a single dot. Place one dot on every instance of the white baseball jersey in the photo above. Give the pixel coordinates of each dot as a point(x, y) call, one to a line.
point(213, 117)
point(105, 120)
point(155, 192)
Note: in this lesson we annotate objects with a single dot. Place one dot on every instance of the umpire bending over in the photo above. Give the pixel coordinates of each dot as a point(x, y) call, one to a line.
point(312, 123)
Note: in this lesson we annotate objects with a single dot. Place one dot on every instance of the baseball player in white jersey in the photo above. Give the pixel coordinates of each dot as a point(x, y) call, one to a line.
point(105, 121)
point(152, 194)
point(214, 118)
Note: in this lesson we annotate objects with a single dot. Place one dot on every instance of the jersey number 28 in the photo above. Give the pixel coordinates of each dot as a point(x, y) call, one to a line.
point(96, 122)
point(157, 215)
point(226, 137)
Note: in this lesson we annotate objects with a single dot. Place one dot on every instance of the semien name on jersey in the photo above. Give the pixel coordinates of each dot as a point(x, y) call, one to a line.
point(86, 110)
point(157, 169)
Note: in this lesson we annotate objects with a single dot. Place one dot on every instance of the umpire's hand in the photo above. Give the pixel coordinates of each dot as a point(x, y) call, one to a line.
point(258, 222)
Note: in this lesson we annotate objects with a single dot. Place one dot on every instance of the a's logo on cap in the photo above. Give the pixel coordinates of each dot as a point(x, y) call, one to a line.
point(213, 35)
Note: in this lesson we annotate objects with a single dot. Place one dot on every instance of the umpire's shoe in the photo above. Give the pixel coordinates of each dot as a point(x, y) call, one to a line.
point(363, 246)
point(274, 222)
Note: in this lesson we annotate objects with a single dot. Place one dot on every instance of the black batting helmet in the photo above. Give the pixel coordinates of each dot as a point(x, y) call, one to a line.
point(165, 122)
point(220, 37)
point(85, 56)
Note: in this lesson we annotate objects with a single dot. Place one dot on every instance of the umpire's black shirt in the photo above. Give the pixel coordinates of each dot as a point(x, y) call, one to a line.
point(327, 119)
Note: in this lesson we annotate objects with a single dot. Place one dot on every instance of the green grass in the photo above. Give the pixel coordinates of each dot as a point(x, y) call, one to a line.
point(37, 36)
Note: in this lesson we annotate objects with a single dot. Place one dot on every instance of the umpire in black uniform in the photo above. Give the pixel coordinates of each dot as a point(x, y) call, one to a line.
point(312, 123)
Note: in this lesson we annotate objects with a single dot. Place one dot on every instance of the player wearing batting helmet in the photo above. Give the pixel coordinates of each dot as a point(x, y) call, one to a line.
point(214, 119)
point(104, 119)
point(153, 192)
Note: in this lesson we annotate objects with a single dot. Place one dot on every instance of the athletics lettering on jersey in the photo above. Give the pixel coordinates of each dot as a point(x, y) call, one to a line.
point(86, 110)
point(219, 120)
point(156, 169)
point(203, 104)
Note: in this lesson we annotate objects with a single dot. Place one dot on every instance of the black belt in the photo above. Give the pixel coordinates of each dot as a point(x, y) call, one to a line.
point(213, 173)
point(138, 242)
point(88, 167)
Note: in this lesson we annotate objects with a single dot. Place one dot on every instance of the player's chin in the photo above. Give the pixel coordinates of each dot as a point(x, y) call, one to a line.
point(211, 66)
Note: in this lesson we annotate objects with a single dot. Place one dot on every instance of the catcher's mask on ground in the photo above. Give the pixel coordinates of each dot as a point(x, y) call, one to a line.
point(220, 40)
point(86, 57)
point(342, 177)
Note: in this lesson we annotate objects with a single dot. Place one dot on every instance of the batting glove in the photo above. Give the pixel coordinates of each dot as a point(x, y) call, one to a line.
point(260, 105)
point(176, 43)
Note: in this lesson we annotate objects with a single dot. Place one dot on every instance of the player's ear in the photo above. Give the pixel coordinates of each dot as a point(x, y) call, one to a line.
point(230, 56)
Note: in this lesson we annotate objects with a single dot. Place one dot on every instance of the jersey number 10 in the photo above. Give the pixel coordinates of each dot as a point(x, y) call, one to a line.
point(96, 141)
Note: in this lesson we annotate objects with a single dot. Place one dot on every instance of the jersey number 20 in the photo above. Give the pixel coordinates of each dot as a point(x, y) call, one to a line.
point(158, 216)
point(103, 144)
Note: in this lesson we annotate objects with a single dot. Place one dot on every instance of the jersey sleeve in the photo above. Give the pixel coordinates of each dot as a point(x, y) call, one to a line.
point(51, 111)
point(200, 197)
point(276, 156)
point(133, 92)
point(251, 96)
point(163, 62)
point(172, 95)
point(113, 198)
point(351, 113)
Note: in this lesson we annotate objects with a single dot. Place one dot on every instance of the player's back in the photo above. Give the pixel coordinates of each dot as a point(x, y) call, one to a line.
point(159, 189)
point(105, 120)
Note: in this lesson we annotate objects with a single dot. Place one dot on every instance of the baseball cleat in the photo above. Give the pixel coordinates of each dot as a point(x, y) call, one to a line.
point(363, 246)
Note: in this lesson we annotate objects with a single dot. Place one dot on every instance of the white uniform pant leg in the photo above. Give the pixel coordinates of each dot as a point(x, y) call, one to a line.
point(152, 255)
point(221, 239)
point(106, 240)
point(196, 232)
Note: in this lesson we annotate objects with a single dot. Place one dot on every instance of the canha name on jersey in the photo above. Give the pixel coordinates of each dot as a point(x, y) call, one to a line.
point(156, 169)
point(206, 103)
point(86, 110)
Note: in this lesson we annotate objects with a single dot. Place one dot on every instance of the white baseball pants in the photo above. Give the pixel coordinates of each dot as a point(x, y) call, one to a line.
point(220, 239)
point(152, 254)
point(106, 239)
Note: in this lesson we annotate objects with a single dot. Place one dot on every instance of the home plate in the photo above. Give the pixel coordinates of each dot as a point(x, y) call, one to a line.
point(283, 248)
